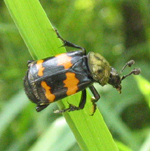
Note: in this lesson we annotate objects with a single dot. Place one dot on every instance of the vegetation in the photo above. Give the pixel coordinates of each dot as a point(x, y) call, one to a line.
point(119, 30)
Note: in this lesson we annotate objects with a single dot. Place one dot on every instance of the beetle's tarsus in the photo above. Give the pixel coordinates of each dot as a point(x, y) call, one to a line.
point(69, 109)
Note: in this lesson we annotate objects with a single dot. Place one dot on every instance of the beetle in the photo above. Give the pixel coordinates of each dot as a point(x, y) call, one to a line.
point(54, 78)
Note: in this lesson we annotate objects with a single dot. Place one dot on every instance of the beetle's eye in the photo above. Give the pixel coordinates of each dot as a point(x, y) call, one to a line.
point(114, 80)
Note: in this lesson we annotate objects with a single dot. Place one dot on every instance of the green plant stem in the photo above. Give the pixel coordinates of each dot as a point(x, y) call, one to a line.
point(37, 32)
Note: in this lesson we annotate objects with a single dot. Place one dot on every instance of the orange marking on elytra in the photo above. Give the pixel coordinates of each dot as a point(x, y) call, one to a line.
point(64, 60)
point(40, 67)
point(48, 94)
point(71, 83)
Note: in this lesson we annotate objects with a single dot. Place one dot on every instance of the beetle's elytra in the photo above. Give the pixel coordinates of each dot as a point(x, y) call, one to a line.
point(51, 79)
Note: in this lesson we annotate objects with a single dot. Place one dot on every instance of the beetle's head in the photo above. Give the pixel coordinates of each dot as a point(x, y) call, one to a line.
point(115, 78)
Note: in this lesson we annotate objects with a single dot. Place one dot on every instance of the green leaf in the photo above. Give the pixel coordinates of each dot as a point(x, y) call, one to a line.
point(62, 136)
point(34, 27)
point(90, 131)
point(144, 87)
point(11, 110)
point(122, 147)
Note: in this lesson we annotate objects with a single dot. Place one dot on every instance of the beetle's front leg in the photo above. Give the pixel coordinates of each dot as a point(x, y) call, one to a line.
point(95, 98)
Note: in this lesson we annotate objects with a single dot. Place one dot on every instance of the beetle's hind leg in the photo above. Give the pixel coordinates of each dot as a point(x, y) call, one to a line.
point(73, 107)
point(69, 44)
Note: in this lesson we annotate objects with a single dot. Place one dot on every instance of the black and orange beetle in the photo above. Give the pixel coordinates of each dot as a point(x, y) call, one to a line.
point(51, 79)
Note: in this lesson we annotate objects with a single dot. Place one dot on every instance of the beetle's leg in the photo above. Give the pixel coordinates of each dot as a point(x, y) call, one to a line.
point(95, 98)
point(29, 62)
point(73, 107)
point(83, 99)
point(69, 44)
point(41, 107)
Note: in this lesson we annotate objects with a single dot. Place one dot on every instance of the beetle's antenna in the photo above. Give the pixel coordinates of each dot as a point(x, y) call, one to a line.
point(135, 71)
point(129, 64)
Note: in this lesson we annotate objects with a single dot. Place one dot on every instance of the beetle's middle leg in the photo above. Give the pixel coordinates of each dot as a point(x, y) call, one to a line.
point(73, 107)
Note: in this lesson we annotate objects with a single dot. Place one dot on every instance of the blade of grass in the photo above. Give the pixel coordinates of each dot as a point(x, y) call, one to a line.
point(144, 87)
point(60, 126)
point(11, 110)
point(122, 147)
point(33, 28)
point(90, 131)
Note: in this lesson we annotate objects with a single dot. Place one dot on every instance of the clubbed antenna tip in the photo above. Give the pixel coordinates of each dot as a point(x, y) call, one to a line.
point(135, 71)
point(129, 64)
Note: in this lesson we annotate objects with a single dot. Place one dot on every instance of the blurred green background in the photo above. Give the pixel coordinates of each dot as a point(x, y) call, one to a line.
point(120, 31)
